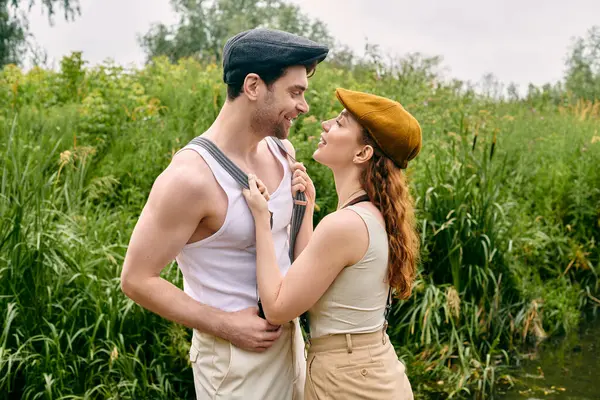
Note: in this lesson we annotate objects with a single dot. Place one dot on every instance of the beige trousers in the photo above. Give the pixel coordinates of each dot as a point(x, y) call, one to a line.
point(223, 371)
point(357, 366)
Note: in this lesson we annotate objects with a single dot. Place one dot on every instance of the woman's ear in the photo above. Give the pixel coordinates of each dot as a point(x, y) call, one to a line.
point(363, 155)
point(251, 86)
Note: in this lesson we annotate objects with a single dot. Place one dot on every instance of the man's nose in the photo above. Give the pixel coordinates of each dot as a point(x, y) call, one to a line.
point(303, 106)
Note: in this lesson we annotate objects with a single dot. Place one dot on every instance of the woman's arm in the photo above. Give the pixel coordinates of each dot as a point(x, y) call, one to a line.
point(339, 240)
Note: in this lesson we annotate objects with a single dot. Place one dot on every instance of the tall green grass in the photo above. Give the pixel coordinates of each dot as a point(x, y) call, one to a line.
point(508, 204)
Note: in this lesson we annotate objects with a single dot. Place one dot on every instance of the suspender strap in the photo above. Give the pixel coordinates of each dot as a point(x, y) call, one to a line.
point(388, 305)
point(359, 199)
point(298, 210)
point(236, 173)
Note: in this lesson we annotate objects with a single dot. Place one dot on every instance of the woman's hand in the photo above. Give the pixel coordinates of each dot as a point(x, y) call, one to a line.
point(302, 182)
point(257, 197)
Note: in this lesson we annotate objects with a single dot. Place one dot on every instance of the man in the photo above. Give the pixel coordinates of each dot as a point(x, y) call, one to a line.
point(196, 213)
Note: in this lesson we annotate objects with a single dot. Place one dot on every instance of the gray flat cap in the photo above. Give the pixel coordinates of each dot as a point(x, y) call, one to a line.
point(263, 49)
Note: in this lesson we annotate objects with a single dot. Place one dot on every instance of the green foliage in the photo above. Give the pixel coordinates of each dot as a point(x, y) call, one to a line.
point(12, 34)
point(583, 74)
point(14, 29)
point(204, 27)
point(507, 202)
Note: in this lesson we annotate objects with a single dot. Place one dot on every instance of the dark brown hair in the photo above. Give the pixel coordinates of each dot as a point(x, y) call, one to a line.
point(386, 186)
point(269, 77)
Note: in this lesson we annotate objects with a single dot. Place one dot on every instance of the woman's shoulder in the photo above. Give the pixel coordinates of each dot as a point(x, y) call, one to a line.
point(351, 217)
point(340, 226)
point(369, 214)
point(342, 219)
point(344, 227)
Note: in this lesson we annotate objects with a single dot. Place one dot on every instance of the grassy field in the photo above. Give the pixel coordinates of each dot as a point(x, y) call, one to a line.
point(508, 197)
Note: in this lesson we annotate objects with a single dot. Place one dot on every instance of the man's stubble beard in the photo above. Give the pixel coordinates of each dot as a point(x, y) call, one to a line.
point(261, 119)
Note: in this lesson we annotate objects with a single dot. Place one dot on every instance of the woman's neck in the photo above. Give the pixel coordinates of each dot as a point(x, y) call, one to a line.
point(347, 186)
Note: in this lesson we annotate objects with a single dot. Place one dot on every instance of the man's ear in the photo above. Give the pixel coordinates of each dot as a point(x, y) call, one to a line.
point(363, 155)
point(251, 86)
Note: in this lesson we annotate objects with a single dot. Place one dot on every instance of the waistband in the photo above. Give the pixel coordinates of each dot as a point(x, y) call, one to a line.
point(347, 341)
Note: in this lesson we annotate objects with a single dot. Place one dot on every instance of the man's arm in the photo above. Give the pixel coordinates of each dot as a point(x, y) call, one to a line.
point(176, 204)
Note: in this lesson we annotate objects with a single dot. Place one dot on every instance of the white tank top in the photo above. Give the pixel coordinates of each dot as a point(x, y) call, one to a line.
point(220, 270)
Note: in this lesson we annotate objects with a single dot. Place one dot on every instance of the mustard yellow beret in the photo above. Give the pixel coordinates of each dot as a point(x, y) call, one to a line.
point(394, 129)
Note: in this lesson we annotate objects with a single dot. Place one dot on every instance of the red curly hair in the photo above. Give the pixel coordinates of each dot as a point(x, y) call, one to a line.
point(388, 190)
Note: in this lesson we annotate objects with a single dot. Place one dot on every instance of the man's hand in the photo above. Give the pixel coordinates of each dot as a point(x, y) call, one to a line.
point(246, 330)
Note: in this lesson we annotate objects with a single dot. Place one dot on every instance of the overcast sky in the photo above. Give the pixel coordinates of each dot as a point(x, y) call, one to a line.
point(518, 41)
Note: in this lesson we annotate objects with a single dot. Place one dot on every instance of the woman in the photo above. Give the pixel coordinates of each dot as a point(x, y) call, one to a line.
point(355, 256)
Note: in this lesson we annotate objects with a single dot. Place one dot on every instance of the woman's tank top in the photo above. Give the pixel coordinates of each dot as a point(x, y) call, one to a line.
point(356, 300)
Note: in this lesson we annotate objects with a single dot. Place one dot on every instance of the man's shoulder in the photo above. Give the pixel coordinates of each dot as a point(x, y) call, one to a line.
point(187, 173)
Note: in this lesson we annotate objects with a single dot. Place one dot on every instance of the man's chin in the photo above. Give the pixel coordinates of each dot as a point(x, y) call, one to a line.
point(282, 134)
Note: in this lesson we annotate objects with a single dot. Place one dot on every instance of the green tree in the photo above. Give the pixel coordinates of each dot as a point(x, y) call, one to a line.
point(204, 26)
point(12, 34)
point(583, 66)
point(14, 26)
